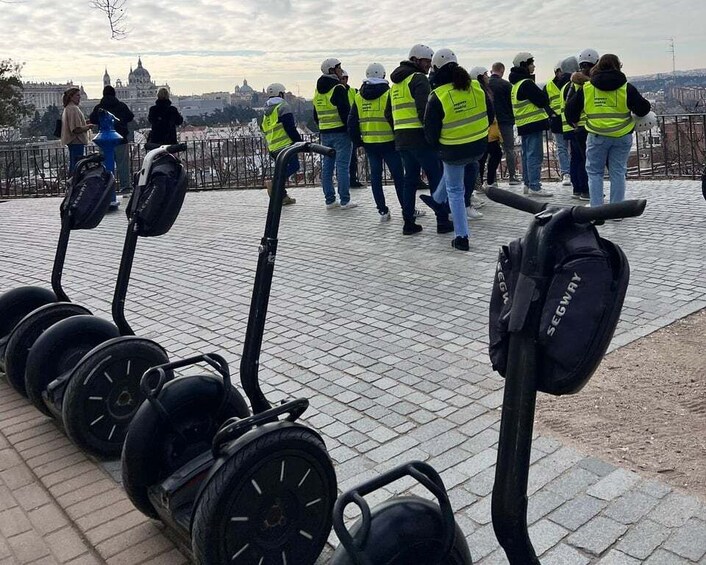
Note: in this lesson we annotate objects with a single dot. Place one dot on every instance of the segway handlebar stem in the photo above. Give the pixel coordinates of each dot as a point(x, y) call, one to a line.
point(580, 214)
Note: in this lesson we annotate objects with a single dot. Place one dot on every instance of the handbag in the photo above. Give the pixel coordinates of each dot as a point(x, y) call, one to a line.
point(57, 128)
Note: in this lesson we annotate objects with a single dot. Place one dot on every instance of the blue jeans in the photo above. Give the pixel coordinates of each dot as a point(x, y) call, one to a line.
point(614, 151)
point(414, 161)
point(470, 174)
point(376, 157)
point(452, 188)
point(532, 155)
point(76, 151)
point(341, 142)
point(562, 150)
point(577, 143)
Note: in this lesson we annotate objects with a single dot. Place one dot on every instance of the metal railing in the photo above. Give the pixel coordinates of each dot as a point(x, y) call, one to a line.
point(676, 148)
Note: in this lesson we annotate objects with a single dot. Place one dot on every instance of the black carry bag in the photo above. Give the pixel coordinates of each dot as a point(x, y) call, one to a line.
point(89, 193)
point(57, 128)
point(582, 304)
point(157, 204)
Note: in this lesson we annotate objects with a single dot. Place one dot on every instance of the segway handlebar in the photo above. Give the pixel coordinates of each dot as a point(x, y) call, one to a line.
point(151, 387)
point(175, 148)
point(580, 214)
point(320, 149)
point(424, 474)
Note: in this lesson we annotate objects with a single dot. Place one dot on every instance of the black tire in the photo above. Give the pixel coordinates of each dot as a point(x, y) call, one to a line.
point(59, 349)
point(15, 304)
point(285, 476)
point(104, 393)
point(152, 450)
point(28, 331)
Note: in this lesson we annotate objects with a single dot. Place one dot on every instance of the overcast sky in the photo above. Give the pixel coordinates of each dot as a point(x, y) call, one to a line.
point(208, 45)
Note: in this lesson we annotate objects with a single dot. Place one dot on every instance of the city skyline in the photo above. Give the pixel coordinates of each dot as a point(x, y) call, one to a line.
point(217, 46)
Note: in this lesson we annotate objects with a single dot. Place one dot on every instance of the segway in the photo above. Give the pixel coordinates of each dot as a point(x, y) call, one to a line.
point(28, 311)
point(556, 301)
point(243, 489)
point(85, 370)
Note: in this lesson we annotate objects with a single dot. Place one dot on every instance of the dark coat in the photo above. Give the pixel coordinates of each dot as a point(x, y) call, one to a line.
point(502, 99)
point(164, 119)
point(339, 98)
point(607, 80)
point(420, 89)
point(433, 120)
point(118, 109)
point(368, 92)
point(530, 91)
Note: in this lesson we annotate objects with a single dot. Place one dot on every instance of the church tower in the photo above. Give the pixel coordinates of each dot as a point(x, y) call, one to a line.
point(106, 78)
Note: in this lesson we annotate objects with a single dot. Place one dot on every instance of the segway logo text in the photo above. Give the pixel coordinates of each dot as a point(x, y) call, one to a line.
point(502, 284)
point(564, 304)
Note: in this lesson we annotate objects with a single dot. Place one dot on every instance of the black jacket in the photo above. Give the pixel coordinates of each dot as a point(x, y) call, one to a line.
point(338, 99)
point(555, 121)
point(368, 92)
point(419, 88)
point(164, 119)
point(433, 119)
point(530, 91)
point(607, 80)
point(118, 109)
point(502, 99)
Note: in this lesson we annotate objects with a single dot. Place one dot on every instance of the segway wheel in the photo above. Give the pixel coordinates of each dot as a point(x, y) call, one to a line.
point(155, 446)
point(15, 304)
point(271, 501)
point(27, 332)
point(103, 393)
point(59, 349)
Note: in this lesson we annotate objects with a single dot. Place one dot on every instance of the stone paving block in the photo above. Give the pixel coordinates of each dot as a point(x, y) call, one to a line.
point(615, 557)
point(13, 522)
point(577, 511)
point(630, 507)
point(545, 535)
point(65, 544)
point(642, 539)
point(597, 535)
point(661, 557)
point(47, 519)
point(689, 541)
point(675, 509)
point(563, 554)
point(614, 484)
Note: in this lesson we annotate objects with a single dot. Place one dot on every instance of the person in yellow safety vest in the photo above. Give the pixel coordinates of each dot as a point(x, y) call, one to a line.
point(609, 102)
point(331, 108)
point(456, 121)
point(530, 106)
point(368, 127)
point(587, 58)
point(353, 169)
point(280, 131)
point(553, 90)
point(409, 92)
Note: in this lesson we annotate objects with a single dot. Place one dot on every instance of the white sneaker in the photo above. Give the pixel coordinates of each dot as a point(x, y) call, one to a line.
point(419, 213)
point(348, 205)
point(334, 204)
point(385, 217)
point(473, 214)
point(566, 181)
point(541, 193)
point(492, 185)
point(525, 189)
point(574, 196)
point(476, 202)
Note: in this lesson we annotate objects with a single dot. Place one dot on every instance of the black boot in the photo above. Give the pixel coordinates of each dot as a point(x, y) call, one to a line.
point(410, 228)
point(460, 243)
point(433, 204)
point(444, 225)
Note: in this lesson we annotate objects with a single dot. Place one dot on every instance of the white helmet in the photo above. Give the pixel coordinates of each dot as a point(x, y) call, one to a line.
point(588, 56)
point(275, 89)
point(443, 57)
point(558, 64)
point(475, 72)
point(375, 70)
point(522, 57)
point(329, 64)
point(645, 123)
point(420, 51)
point(344, 73)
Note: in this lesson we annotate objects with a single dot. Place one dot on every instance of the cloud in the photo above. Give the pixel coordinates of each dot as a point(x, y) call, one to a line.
point(207, 45)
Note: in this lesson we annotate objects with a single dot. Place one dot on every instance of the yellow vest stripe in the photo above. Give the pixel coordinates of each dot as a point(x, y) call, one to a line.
point(465, 114)
point(554, 96)
point(374, 127)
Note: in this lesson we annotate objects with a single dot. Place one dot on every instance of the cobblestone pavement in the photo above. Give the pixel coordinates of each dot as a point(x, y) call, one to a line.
point(386, 335)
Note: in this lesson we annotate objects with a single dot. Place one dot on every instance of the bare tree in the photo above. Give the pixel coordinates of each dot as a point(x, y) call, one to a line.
point(116, 12)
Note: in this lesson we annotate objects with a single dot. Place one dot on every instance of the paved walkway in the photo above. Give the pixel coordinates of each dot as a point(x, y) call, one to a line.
point(387, 337)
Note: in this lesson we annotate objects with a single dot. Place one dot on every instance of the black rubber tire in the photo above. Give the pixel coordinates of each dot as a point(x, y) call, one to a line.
point(152, 450)
point(97, 411)
point(59, 349)
point(15, 304)
point(28, 331)
point(264, 481)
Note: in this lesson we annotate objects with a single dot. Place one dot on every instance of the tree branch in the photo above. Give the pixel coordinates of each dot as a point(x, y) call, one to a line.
point(116, 12)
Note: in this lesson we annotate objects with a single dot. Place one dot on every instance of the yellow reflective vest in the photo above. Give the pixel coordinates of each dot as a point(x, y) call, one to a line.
point(374, 127)
point(465, 114)
point(326, 110)
point(275, 135)
point(565, 126)
point(554, 94)
point(607, 111)
point(404, 109)
point(525, 111)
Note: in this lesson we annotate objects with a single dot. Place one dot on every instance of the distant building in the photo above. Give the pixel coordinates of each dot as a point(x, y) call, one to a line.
point(243, 95)
point(44, 94)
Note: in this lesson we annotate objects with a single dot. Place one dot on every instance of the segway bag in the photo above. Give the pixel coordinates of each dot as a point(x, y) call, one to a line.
point(584, 296)
point(157, 205)
point(89, 193)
